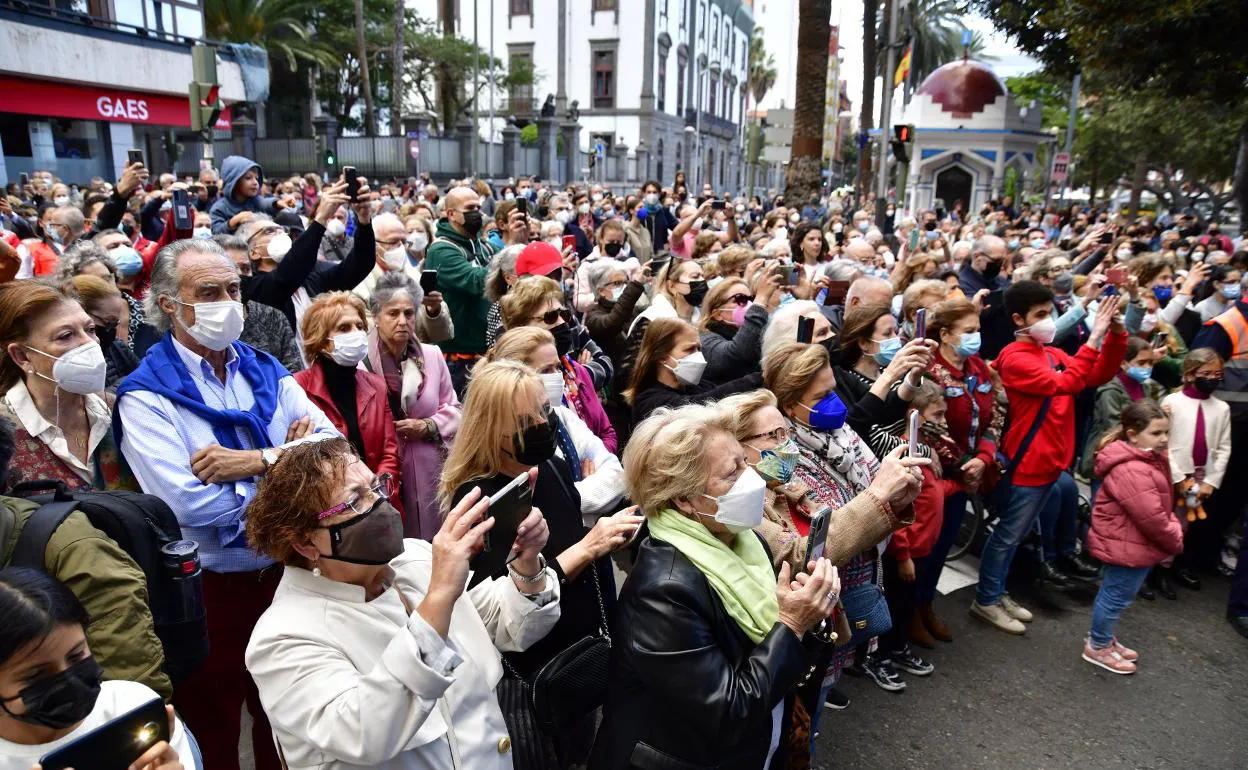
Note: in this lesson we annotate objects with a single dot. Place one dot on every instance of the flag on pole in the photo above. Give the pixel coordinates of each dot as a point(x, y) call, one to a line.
point(903, 67)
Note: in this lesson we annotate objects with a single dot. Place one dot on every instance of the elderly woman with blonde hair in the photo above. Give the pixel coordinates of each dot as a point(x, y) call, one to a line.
point(710, 642)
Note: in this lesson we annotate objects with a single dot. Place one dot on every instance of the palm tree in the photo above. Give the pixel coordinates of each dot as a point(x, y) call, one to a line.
point(281, 27)
point(870, 17)
point(762, 73)
point(803, 177)
point(935, 29)
point(366, 85)
point(396, 87)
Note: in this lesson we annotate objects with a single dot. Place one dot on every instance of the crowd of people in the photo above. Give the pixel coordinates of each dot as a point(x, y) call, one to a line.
point(730, 444)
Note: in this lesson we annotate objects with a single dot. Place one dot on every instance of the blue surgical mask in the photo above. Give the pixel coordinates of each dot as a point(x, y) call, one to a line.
point(616, 293)
point(127, 260)
point(1037, 243)
point(1162, 293)
point(1139, 373)
point(1013, 243)
point(888, 349)
point(968, 344)
point(786, 298)
point(828, 414)
point(1231, 291)
point(778, 464)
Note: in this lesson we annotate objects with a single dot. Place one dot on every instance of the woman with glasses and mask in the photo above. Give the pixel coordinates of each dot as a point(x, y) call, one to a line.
point(104, 302)
point(373, 653)
point(52, 691)
point(680, 288)
point(669, 371)
point(615, 301)
point(877, 375)
point(509, 430)
point(836, 466)
point(538, 301)
point(732, 327)
point(53, 375)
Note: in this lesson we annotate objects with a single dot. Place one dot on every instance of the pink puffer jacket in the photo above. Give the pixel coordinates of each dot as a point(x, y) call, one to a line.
point(1133, 521)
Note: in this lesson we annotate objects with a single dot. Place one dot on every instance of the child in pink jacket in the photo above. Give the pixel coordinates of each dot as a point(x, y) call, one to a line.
point(1133, 525)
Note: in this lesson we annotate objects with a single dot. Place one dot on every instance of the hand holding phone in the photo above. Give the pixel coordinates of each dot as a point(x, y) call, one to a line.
point(920, 324)
point(914, 433)
point(134, 156)
point(805, 330)
point(352, 177)
point(117, 743)
point(1117, 276)
point(183, 219)
point(718, 205)
point(569, 242)
point(817, 540)
point(429, 281)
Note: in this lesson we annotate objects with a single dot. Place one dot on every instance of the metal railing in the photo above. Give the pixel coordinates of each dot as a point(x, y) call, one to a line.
point(88, 21)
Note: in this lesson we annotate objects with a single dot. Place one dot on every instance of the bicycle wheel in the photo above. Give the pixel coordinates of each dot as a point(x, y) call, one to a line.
point(972, 521)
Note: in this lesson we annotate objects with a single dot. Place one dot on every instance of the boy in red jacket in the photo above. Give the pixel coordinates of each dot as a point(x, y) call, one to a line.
point(1041, 383)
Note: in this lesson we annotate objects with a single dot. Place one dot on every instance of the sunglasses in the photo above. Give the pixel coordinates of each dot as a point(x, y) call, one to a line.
point(740, 299)
point(551, 318)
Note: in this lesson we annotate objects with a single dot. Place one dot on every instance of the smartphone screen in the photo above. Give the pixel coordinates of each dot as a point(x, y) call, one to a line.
point(508, 507)
point(805, 329)
point(212, 191)
point(115, 744)
point(817, 540)
point(719, 205)
point(920, 323)
point(569, 242)
point(914, 434)
point(429, 281)
point(1116, 276)
point(182, 217)
point(134, 156)
point(351, 176)
point(23, 178)
point(1107, 237)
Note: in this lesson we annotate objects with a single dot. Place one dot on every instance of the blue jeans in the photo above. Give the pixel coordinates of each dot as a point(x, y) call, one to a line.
point(1119, 586)
point(1059, 520)
point(934, 562)
point(1020, 514)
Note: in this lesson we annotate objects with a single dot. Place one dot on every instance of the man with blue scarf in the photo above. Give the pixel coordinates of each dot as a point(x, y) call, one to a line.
point(200, 420)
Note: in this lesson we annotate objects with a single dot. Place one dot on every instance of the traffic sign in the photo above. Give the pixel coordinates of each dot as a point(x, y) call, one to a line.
point(600, 149)
point(1061, 167)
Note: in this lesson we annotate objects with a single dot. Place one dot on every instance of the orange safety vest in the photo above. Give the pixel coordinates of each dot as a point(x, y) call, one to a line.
point(44, 258)
point(1235, 374)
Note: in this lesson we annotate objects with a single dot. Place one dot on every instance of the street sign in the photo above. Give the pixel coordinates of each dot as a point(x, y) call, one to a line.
point(1061, 167)
point(600, 150)
point(413, 149)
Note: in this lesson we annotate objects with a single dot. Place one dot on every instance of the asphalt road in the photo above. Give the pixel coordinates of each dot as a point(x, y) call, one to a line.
point(1000, 701)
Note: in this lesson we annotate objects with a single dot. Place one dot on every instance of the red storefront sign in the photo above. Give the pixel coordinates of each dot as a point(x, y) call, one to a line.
point(62, 100)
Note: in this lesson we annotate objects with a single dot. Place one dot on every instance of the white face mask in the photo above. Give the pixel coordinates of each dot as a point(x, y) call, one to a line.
point(562, 216)
point(1043, 331)
point(417, 242)
point(395, 259)
point(509, 196)
point(741, 508)
point(81, 370)
point(349, 348)
point(202, 232)
point(1123, 254)
point(336, 228)
point(61, 200)
point(279, 246)
point(689, 369)
point(583, 208)
point(553, 383)
point(781, 233)
point(217, 324)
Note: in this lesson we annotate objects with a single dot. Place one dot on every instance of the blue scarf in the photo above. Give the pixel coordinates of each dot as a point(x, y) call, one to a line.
point(163, 373)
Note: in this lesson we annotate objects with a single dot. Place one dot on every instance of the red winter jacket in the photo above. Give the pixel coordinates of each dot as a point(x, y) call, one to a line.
point(917, 540)
point(1133, 522)
point(1030, 373)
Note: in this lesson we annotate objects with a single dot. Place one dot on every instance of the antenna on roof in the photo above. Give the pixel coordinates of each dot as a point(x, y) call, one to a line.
point(966, 44)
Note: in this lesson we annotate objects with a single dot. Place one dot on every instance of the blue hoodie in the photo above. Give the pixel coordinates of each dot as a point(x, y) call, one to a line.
point(226, 208)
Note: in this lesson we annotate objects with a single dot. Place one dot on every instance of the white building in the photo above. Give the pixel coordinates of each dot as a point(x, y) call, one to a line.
point(635, 70)
point(778, 20)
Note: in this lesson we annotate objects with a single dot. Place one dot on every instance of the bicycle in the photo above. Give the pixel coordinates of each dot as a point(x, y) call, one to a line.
point(981, 517)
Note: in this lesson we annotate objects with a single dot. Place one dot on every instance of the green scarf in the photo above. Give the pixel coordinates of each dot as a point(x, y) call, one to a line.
point(741, 576)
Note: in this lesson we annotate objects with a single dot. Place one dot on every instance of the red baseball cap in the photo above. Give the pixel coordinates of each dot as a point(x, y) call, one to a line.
point(538, 258)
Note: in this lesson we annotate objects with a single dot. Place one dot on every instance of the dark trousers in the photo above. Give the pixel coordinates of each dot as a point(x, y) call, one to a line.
point(902, 598)
point(211, 699)
point(460, 368)
point(934, 562)
point(1202, 543)
point(1238, 604)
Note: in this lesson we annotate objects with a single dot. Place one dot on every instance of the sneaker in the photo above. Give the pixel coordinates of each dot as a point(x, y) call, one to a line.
point(837, 700)
point(994, 615)
point(910, 663)
point(1126, 652)
point(880, 671)
point(1015, 610)
point(1107, 658)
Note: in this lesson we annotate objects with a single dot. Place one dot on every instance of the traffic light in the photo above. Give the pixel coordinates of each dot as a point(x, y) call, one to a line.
point(330, 161)
point(204, 91)
point(902, 142)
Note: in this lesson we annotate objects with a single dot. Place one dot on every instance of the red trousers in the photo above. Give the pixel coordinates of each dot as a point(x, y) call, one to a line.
point(210, 701)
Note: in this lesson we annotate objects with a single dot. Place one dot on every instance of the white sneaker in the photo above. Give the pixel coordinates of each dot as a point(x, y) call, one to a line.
point(994, 615)
point(1016, 610)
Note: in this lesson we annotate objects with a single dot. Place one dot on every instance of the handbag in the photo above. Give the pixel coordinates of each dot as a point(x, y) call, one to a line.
point(867, 611)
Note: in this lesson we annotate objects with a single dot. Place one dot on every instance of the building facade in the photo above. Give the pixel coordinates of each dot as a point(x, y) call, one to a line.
point(82, 88)
point(662, 81)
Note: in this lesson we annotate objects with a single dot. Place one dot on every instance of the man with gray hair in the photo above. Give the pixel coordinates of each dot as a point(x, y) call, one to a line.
point(199, 422)
point(67, 225)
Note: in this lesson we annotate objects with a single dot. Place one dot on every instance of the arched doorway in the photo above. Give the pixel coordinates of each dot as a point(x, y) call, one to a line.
point(952, 185)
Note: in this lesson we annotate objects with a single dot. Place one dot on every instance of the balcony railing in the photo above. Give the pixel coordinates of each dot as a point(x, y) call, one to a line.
point(712, 124)
point(88, 21)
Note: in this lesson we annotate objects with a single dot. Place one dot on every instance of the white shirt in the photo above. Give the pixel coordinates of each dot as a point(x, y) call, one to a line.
point(604, 488)
point(20, 403)
point(349, 683)
point(116, 698)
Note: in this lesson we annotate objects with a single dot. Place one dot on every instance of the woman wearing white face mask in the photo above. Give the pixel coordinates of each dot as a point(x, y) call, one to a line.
point(721, 641)
point(335, 341)
point(669, 371)
point(53, 376)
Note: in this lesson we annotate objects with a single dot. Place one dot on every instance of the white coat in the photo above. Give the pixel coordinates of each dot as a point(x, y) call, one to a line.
point(1183, 435)
point(349, 683)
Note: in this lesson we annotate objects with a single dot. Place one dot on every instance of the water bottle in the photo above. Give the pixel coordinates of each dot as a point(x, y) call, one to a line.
point(182, 563)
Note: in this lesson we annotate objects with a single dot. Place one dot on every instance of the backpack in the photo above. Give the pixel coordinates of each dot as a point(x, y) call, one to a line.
point(141, 525)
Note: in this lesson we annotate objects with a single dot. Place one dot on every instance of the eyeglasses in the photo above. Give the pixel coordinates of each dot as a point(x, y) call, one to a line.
point(616, 284)
point(551, 318)
point(740, 299)
point(778, 435)
point(380, 490)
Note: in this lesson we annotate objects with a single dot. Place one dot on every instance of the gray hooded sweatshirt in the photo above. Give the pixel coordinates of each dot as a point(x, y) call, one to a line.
point(226, 208)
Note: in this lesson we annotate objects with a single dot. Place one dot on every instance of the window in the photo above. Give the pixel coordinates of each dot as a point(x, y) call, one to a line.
point(662, 84)
point(604, 79)
point(701, 21)
point(684, 13)
point(604, 5)
point(715, 33)
point(714, 88)
point(521, 7)
point(521, 97)
point(727, 101)
point(680, 86)
point(183, 18)
point(659, 153)
point(663, 9)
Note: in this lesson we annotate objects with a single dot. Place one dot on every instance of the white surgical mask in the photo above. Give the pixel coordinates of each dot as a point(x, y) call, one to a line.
point(81, 370)
point(61, 200)
point(1043, 331)
point(741, 508)
point(417, 242)
point(217, 324)
point(349, 348)
point(583, 208)
point(781, 233)
point(395, 259)
point(689, 369)
point(336, 228)
point(202, 232)
point(553, 384)
point(509, 196)
point(279, 246)
point(562, 216)
point(1123, 254)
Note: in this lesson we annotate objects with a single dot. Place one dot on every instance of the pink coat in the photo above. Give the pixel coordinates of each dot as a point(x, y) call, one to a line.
point(1133, 522)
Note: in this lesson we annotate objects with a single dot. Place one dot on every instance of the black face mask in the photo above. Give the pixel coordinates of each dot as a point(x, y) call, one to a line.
point(473, 221)
point(723, 329)
point(535, 444)
point(1208, 385)
point(613, 249)
point(563, 339)
point(697, 293)
point(992, 269)
point(374, 537)
point(106, 334)
point(61, 700)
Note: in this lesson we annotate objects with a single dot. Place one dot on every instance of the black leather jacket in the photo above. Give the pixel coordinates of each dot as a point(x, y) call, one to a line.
point(688, 689)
